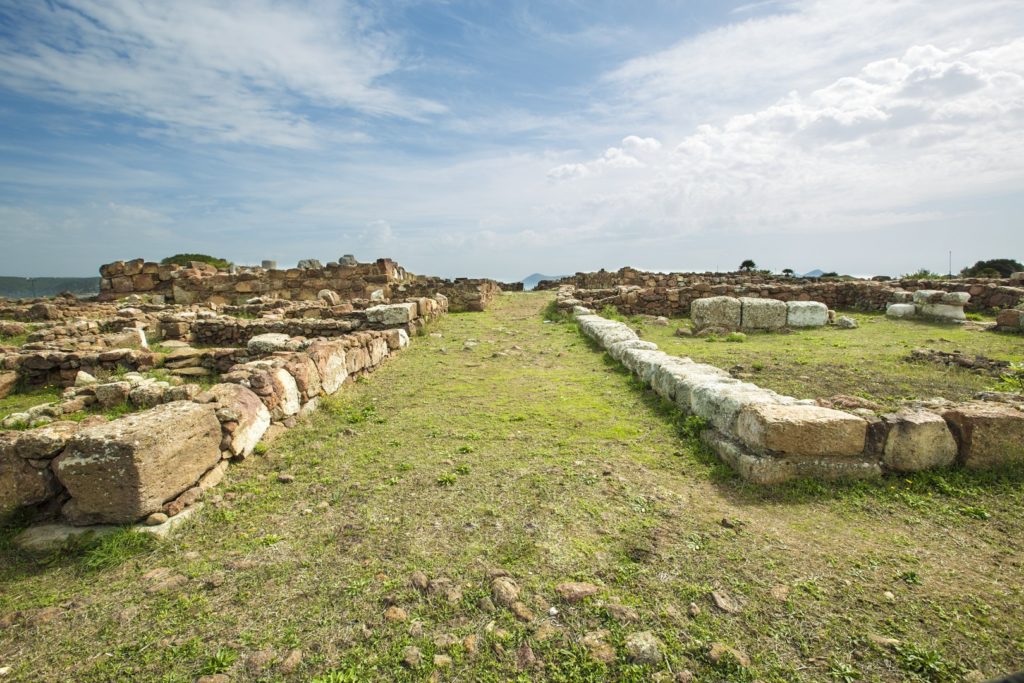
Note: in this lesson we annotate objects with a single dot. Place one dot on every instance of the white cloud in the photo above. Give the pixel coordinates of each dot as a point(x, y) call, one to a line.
point(228, 71)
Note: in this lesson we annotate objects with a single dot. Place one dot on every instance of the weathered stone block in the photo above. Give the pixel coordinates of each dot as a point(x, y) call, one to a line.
point(918, 440)
point(269, 343)
point(942, 311)
point(45, 442)
point(391, 315)
point(901, 310)
point(806, 314)
point(716, 311)
point(21, 484)
point(8, 381)
point(248, 411)
point(762, 314)
point(307, 379)
point(988, 434)
point(1010, 318)
point(329, 358)
point(769, 470)
point(720, 402)
point(800, 430)
point(119, 472)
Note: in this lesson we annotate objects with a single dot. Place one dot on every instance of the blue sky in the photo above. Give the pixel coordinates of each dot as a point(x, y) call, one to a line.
point(499, 139)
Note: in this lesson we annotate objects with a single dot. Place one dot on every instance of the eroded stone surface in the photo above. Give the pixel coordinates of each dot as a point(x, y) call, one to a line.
point(716, 311)
point(801, 430)
point(989, 434)
point(918, 440)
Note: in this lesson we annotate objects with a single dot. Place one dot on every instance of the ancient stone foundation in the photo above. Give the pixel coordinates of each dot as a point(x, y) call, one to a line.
point(769, 438)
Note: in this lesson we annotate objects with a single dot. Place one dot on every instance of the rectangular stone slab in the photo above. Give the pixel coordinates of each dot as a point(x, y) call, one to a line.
point(800, 430)
point(121, 471)
point(989, 434)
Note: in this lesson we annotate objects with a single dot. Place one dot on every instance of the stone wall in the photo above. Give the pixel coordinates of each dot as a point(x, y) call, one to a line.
point(378, 282)
point(153, 464)
point(769, 438)
point(670, 294)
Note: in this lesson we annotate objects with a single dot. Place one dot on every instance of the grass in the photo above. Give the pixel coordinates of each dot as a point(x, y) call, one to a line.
point(561, 468)
point(24, 398)
point(866, 362)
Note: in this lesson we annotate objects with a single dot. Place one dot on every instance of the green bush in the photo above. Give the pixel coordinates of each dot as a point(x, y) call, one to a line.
point(997, 267)
point(185, 259)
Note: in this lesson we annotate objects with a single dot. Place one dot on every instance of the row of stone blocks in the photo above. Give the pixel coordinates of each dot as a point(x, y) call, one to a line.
point(158, 460)
point(929, 303)
point(770, 438)
point(749, 313)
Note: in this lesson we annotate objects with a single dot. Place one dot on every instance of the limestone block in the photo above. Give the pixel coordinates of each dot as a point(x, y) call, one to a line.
point(902, 297)
point(403, 339)
point(721, 400)
point(617, 350)
point(356, 359)
point(120, 471)
point(8, 381)
point(121, 284)
point(763, 314)
point(801, 430)
point(45, 442)
point(182, 296)
point(716, 311)
point(112, 393)
point(1017, 277)
point(643, 362)
point(928, 296)
point(330, 296)
point(378, 350)
point(901, 310)
point(942, 311)
point(310, 264)
point(769, 470)
point(307, 378)
point(248, 411)
point(1010, 318)
point(918, 440)
point(956, 298)
point(989, 434)
point(391, 315)
point(806, 314)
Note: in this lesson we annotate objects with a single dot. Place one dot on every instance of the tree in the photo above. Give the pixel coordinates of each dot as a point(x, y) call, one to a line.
point(997, 267)
point(788, 272)
point(748, 265)
point(185, 259)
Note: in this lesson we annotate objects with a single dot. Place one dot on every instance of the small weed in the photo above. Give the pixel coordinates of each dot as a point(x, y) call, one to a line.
point(97, 553)
point(843, 672)
point(261, 448)
point(975, 511)
point(737, 337)
point(464, 449)
point(447, 479)
point(462, 469)
point(929, 664)
point(910, 578)
point(219, 662)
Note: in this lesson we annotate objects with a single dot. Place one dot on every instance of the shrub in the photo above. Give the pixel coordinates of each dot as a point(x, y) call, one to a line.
point(185, 259)
point(997, 267)
point(922, 274)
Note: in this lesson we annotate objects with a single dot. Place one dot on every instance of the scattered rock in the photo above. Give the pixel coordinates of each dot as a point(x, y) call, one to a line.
point(156, 519)
point(470, 644)
point(685, 676)
point(525, 659)
point(395, 614)
point(442, 661)
point(845, 322)
point(214, 678)
point(889, 596)
point(575, 591)
point(411, 656)
point(485, 604)
point(720, 652)
point(522, 612)
point(882, 640)
point(166, 583)
point(622, 613)
point(285, 478)
point(643, 648)
point(505, 591)
point(545, 631)
point(419, 581)
point(596, 643)
point(780, 592)
point(258, 662)
point(291, 662)
point(725, 602)
point(694, 610)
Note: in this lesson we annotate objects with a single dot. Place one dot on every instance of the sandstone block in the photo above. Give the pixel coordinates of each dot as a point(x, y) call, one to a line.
point(720, 401)
point(269, 343)
point(918, 440)
point(21, 484)
point(121, 471)
point(302, 368)
point(806, 314)
point(1010, 318)
point(942, 311)
point(45, 442)
point(801, 430)
point(112, 393)
point(763, 314)
point(391, 315)
point(716, 311)
point(928, 296)
point(329, 357)
point(989, 434)
point(8, 381)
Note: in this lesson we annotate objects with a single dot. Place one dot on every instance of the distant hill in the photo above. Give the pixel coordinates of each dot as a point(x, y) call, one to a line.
point(814, 273)
point(530, 281)
point(27, 287)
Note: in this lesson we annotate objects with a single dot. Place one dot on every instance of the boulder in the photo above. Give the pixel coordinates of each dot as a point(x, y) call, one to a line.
point(45, 442)
point(303, 370)
point(716, 311)
point(8, 382)
point(247, 410)
point(942, 311)
point(988, 434)
point(21, 484)
point(330, 296)
point(918, 440)
point(112, 393)
point(806, 314)
point(762, 314)
point(901, 310)
point(801, 430)
point(1010, 318)
point(391, 315)
point(845, 322)
point(121, 471)
point(309, 264)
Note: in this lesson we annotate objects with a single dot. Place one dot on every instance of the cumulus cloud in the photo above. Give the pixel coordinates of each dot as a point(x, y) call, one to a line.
point(226, 71)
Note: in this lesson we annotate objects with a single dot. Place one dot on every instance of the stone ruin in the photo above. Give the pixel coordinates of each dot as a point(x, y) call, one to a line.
point(769, 438)
point(930, 304)
point(361, 284)
point(724, 313)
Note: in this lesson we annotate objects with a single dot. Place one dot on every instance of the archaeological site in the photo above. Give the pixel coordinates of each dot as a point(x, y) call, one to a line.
point(184, 403)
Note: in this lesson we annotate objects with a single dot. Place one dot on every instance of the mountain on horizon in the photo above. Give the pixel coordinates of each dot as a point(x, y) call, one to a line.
point(817, 272)
point(31, 287)
point(530, 281)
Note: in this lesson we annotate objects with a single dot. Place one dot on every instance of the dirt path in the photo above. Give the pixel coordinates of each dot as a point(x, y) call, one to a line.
point(507, 445)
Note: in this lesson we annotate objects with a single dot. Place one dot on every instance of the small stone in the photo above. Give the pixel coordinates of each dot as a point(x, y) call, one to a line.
point(522, 612)
point(883, 640)
point(419, 581)
point(643, 648)
point(694, 610)
point(889, 596)
point(844, 322)
point(416, 628)
point(622, 613)
point(291, 662)
point(596, 643)
point(721, 652)
point(485, 604)
point(285, 478)
point(166, 584)
point(505, 591)
point(395, 614)
point(725, 602)
point(545, 631)
point(780, 592)
point(685, 676)
point(259, 661)
point(214, 678)
point(411, 656)
point(156, 519)
point(525, 659)
point(453, 595)
point(442, 661)
point(470, 643)
point(575, 591)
